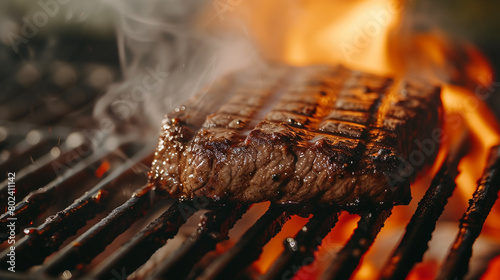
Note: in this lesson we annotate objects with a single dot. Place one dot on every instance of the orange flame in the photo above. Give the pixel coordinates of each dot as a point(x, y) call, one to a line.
point(102, 169)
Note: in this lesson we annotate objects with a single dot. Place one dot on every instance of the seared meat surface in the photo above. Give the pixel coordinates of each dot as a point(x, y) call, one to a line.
point(316, 134)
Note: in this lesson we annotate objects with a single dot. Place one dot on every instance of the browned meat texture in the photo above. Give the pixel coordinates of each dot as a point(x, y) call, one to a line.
point(314, 134)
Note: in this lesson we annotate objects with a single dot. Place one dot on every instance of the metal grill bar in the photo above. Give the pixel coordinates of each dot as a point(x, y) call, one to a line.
point(37, 202)
point(423, 222)
point(213, 228)
point(456, 264)
point(301, 248)
point(249, 247)
point(45, 239)
point(40, 173)
point(40, 242)
point(349, 257)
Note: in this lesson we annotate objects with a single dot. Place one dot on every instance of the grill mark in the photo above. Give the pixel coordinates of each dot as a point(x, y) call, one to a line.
point(298, 83)
point(262, 94)
point(371, 124)
point(324, 98)
point(325, 105)
point(346, 92)
point(267, 99)
point(334, 107)
point(347, 119)
point(322, 107)
point(289, 82)
point(315, 133)
point(195, 110)
point(294, 113)
point(388, 122)
point(385, 105)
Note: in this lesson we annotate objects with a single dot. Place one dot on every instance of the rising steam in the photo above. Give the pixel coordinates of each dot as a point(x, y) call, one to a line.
point(166, 54)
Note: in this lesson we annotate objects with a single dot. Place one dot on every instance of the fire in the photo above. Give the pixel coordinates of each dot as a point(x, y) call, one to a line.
point(493, 270)
point(375, 36)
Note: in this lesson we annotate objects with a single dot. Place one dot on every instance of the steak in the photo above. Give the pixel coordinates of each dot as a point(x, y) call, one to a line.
point(300, 135)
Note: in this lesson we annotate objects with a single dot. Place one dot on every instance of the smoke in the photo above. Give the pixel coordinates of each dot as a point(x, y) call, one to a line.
point(167, 54)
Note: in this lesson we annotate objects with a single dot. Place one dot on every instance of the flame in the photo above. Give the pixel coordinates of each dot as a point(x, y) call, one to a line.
point(353, 33)
point(365, 30)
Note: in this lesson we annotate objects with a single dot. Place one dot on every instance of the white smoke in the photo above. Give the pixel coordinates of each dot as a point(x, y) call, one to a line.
point(166, 55)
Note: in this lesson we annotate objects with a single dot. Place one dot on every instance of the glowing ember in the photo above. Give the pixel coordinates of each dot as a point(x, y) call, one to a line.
point(353, 33)
point(102, 169)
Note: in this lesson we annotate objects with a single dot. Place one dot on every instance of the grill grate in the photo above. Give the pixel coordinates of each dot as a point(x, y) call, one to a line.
point(42, 241)
point(63, 244)
point(300, 249)
point(419, 230)
point(472, 221)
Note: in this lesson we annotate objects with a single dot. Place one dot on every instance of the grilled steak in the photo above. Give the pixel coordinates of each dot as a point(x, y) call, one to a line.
point(315, 134)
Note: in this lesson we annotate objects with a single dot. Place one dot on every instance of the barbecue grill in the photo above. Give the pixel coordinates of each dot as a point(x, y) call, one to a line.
point(69, 211)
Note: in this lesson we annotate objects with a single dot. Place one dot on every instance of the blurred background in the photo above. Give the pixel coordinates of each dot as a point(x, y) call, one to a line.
point(37, 38)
